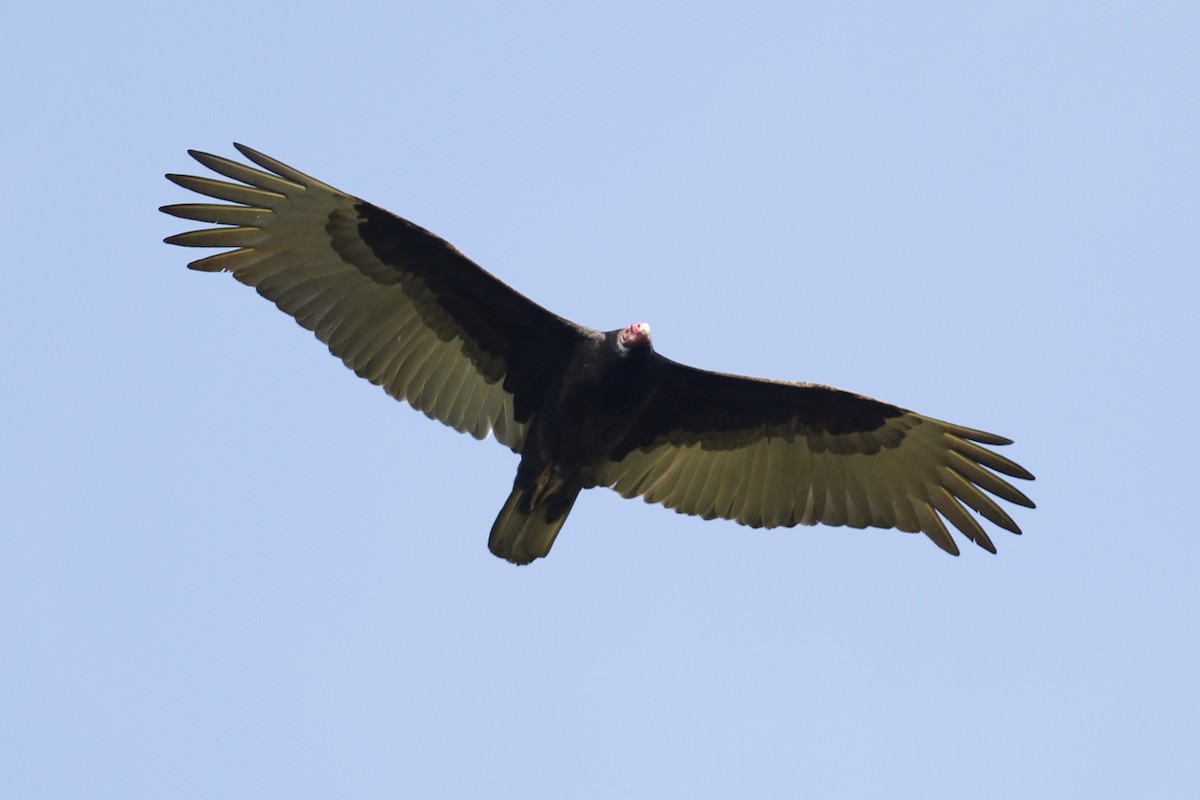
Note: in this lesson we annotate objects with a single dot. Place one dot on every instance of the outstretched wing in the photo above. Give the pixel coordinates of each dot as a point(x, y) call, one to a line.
point(398, 305)
point(770, 454)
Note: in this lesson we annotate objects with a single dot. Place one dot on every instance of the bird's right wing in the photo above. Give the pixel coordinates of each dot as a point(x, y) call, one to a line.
point(397, 304)
point(769, 453)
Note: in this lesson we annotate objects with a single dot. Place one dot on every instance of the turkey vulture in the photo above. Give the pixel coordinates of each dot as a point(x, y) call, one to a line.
point(410, 313)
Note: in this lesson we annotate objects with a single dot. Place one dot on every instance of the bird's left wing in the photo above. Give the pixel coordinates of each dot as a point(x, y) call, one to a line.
point(768, 454)
point(397, 304)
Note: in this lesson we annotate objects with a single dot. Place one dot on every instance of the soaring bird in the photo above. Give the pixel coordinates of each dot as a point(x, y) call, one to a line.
point(582, 408)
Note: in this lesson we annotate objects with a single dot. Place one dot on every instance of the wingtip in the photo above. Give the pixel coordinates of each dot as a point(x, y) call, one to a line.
point(942, 539)
point(264, 161)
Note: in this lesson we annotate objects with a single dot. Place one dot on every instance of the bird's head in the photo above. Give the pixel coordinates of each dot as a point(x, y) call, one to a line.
point(635, 336)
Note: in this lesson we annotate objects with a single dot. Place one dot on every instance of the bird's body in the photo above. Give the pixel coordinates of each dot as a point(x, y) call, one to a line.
point(603, 389)
point(582, 408)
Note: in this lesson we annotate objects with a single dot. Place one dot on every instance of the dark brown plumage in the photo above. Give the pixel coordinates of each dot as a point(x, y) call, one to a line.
point(407, 311)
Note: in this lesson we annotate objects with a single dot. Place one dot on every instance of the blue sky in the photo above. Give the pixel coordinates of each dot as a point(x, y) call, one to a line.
point(229, 568)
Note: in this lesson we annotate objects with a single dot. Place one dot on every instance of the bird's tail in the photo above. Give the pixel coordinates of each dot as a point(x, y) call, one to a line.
point(524, 531)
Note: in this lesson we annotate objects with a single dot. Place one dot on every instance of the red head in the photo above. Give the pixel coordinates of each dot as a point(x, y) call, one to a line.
point(635, 336)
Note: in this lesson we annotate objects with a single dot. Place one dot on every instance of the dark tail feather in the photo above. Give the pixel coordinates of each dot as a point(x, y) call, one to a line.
point(521, 534)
